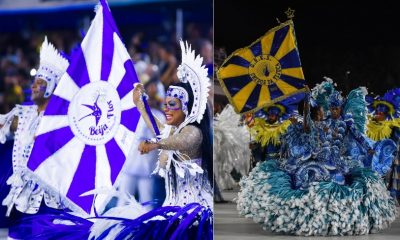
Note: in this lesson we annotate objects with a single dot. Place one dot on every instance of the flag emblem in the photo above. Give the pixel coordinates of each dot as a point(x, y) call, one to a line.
point(267, 71)
point(95, 113)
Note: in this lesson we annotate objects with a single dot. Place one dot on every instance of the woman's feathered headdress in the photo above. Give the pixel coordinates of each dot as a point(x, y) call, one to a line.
point(192, 71)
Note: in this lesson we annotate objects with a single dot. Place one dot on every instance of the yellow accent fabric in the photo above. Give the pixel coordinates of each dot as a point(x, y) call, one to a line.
point(241, 97)
point(266, 43)
point(387, 104)
point(246, 54)
point(265, 133)
point(233, 71)
point(285, 87)
point(287, 45)
point(264, 96)
point(293, 72)
point(381, 130)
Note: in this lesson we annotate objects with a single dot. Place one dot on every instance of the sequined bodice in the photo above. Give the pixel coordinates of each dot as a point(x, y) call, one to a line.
point(28, 121)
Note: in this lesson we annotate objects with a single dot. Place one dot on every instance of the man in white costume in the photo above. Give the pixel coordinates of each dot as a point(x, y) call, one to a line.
point(25, 195)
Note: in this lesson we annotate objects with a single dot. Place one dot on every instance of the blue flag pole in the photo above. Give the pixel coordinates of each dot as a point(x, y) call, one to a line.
point(150, 114)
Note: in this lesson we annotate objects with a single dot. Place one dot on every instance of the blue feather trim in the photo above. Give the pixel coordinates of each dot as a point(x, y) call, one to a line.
point(361, 206)
point(52, 225)
point(192, 221)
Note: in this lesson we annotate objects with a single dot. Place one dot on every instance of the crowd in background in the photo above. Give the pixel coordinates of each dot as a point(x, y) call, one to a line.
point(156, 59)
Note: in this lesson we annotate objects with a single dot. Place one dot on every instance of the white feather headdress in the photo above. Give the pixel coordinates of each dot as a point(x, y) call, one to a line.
point(52, 66)
point(193, 71)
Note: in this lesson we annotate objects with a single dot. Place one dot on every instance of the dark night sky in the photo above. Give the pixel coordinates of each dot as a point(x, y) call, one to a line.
point(333, 37)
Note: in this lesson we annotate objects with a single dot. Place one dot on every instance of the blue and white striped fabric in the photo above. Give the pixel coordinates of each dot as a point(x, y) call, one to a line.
point(88, 127)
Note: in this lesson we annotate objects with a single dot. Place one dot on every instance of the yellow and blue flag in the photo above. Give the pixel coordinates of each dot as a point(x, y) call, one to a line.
point(267, 71)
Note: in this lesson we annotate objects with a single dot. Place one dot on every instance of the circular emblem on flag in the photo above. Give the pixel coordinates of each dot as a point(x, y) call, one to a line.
point(265, 69)
point(263, 73)
point(94, 113)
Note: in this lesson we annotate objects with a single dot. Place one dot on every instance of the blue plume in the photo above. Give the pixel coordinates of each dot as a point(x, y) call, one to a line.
point(322, 92)
point(52, 226)
point(356, 105)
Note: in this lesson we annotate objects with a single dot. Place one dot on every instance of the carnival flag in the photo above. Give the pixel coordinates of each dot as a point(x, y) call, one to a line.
point(88, 126)
point(267, 71)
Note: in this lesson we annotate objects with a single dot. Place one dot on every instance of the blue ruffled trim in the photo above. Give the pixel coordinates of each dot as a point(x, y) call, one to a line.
point(361, 206)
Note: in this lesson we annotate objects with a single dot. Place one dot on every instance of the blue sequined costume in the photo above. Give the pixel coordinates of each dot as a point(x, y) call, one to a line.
point(394, 179)
point(384, 123)
point(268, 127)
point(322, 185)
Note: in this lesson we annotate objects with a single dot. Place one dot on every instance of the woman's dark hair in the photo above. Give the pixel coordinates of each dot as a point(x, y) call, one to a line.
point(314, 112)
point(206, 128)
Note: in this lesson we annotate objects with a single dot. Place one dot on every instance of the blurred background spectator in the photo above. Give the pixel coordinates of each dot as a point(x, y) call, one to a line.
point(150, 30)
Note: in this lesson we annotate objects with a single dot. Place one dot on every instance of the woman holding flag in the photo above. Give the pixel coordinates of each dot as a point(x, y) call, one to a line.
point(185, 162)
point(185, 159)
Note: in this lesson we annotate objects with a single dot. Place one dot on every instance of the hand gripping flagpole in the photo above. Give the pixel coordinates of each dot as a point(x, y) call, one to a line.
point(148, 111)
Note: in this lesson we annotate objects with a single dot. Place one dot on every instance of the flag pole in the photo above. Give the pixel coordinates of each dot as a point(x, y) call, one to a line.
point(150, 114)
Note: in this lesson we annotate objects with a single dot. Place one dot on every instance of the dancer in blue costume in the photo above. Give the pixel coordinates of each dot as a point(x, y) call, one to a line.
point(269, 125)
point(384, 123)
point(320, 186)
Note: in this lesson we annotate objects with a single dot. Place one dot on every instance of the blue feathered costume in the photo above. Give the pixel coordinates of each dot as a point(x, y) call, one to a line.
point(384, 123)
point(328, 180)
